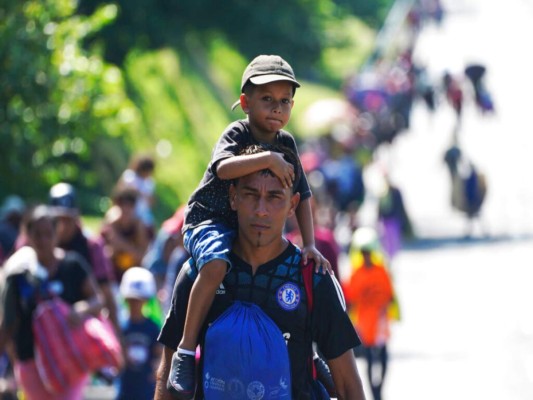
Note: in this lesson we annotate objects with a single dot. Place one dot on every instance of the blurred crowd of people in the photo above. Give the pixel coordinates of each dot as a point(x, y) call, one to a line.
point(133, 262)
point(126, 258)
point(377, 108)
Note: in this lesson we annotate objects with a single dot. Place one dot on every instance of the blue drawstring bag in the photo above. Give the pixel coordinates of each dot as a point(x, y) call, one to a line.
point(245, 356)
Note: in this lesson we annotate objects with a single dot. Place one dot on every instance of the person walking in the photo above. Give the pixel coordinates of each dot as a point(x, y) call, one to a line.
point(394, 221)
point(123, 232)
point(37, 272)
point(166, 255)
point(369, 294)
point(266, 271)
point(141, 349)
point(140, 176)
point(72, 237)
point(267, 89)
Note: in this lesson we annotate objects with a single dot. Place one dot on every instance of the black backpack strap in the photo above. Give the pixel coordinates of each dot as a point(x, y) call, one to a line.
point(322, 380)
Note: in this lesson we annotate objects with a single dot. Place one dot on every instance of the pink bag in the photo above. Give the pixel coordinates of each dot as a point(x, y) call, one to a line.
point(65, 354)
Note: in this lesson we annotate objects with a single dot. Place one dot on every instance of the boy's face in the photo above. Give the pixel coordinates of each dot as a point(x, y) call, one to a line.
point(269, 109)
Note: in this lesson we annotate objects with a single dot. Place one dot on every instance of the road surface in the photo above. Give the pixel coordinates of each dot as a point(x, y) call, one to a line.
point(467, 327)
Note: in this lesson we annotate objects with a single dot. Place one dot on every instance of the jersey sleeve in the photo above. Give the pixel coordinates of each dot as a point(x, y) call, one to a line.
point(172, 329)
point(332, 329)
point(229, 144)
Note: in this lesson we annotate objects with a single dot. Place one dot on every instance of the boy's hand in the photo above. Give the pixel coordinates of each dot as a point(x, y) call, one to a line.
point(311, 252)
point(282, 169)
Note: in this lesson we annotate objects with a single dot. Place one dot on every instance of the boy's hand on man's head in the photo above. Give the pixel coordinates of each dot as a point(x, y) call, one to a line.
point(282, 169)
point(312, 253)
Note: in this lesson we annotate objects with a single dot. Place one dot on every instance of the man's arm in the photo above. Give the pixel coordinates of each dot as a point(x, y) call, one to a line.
point(161, 392)
point(345, 374)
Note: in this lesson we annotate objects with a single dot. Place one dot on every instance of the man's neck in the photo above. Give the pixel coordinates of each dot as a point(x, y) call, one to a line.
point(256, 256)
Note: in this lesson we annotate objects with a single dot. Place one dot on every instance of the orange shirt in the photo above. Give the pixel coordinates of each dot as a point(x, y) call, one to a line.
point(369, 293)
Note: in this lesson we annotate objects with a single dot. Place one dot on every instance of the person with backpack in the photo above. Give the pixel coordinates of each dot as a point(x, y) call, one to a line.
point(267, 273)
point(268, 86)
point(72, 236)
point(34, 274)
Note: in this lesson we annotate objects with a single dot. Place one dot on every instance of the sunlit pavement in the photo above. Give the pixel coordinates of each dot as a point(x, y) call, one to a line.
point(467, 327)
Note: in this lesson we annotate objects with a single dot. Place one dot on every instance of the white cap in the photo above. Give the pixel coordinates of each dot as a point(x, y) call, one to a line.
point(137, 283)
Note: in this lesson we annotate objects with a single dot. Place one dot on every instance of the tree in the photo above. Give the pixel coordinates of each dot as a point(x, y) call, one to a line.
point(292, 29)
point(59, 102)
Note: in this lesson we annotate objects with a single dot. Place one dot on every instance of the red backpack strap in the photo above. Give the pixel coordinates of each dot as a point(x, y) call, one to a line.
point(307, 274)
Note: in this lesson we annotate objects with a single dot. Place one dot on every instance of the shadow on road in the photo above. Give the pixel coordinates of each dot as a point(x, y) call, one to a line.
point(426, 244)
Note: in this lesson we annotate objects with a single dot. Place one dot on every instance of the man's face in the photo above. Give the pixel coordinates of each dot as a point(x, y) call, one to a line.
point(42, 237)
point(263, 205)
point(66, 228)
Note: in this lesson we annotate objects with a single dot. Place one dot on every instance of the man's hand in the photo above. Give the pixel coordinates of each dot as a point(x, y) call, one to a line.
point(312, 253)
point(348, 383)
point(161, 392)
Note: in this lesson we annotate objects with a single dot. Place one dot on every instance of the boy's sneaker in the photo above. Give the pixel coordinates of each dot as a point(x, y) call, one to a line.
point(181, 379)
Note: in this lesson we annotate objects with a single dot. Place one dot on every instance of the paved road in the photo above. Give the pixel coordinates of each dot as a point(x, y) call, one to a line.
point(467, 326)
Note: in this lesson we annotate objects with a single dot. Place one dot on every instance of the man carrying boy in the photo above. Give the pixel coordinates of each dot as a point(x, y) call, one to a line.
point(264, 265)
point(267, 89)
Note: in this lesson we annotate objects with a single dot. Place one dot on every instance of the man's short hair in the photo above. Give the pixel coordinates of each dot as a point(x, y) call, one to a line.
point(288, 155)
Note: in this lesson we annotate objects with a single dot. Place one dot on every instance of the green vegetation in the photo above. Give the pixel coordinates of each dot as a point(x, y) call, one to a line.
point(85, 86)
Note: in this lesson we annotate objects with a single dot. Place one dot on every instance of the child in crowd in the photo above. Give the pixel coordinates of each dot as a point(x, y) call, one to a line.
point(142, 352)
point(371, 303)
point(139, 176)
point(267, 89)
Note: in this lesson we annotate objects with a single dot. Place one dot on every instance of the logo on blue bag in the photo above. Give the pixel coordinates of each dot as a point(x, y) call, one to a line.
point(255, 390)
point(235, 388)
point(212, 383)
point(289, 296)
point(283, 383)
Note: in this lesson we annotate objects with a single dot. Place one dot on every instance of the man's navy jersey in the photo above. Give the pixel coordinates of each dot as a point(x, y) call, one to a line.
point(278, 288)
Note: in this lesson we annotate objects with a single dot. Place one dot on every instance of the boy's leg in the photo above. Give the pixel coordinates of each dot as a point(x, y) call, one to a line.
point(182, 379)
point(202, 295)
